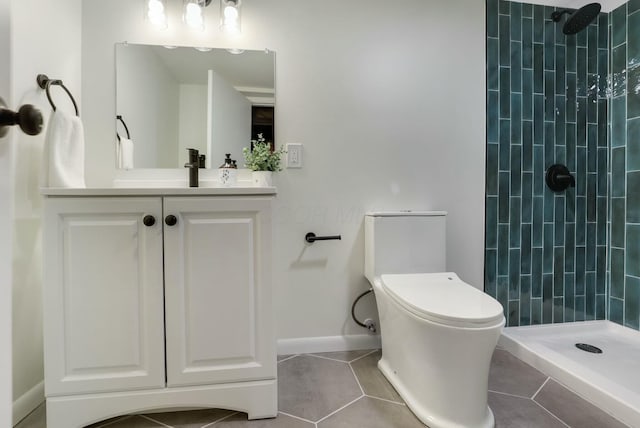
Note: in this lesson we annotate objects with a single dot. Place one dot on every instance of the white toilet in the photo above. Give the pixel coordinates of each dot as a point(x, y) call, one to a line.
point(438, 333)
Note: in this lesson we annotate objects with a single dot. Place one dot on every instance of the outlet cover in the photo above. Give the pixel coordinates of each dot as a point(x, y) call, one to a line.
point(294, 155)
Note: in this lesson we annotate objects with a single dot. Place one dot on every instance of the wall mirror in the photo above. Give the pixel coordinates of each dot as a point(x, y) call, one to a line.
point(169, 99)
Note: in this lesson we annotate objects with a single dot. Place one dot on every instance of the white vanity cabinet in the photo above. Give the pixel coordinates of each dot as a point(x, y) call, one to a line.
point(157, 301)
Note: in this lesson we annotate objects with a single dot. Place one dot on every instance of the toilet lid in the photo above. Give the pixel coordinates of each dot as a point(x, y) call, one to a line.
point(443, 298)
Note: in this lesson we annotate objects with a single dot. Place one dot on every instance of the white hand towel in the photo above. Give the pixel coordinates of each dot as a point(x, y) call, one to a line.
point(125, 153)
point(63, 160)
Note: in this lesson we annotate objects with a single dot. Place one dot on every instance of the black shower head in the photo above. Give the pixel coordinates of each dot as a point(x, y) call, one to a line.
point(580, 19)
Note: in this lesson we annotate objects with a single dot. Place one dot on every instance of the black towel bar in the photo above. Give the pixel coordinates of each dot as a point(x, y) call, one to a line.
point(45, 83)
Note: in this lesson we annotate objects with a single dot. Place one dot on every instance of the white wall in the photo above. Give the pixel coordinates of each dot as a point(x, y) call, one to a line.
point(148, 98)
point(193, 121)
point(45, 38)
point(388, 99)
point(230, 120)
point(6, 221)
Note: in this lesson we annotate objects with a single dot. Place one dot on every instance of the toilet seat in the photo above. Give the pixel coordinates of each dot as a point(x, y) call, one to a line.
point(443, 298)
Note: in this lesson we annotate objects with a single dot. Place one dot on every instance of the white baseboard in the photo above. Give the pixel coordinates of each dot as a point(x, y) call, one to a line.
point(305, 345)
point(28, 402)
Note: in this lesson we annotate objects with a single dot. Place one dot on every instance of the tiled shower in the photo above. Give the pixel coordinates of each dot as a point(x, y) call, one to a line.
point(549, 257)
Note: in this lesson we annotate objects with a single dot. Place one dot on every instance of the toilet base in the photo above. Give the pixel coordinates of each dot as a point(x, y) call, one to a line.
point(421, 410)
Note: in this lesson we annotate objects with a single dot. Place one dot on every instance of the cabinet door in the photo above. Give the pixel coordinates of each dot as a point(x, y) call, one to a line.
point(103, 295)
point(218, 290)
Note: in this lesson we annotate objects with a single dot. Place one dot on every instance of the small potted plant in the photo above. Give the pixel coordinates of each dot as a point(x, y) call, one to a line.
point(262, 160)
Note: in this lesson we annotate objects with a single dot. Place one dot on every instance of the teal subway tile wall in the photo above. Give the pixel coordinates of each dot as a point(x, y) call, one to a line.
point(546, 252)
point(624, 298)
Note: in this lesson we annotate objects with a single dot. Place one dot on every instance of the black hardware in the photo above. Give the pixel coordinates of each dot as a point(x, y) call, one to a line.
point(579, 19)
point(368, 323)
point(311, 237)
point(588, 348)
point(27, 117)
point(556, 15)
point(126, 128)
point(193, 165)
point(45, 83)
point(149, 220)
point(170, 220)
point(202, 159)
point(559, 178)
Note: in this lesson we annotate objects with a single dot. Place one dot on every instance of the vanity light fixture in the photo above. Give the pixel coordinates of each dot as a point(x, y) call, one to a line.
point(193, 14)
point(230, 16)
point(157, 13)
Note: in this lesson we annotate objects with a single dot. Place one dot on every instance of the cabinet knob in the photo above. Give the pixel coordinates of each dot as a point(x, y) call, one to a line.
point(170, 220)
point(149, 220)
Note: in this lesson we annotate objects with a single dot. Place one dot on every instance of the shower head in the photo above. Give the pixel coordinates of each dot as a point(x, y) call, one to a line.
point(580, 19)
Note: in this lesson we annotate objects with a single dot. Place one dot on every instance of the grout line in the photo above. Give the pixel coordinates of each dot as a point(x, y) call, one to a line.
point(547, 410)
point(327, 358)
point(357, 380)
point(290, 357)
point(509, 395)
point(296, 417)
point(153, 420)
point(540, 389)
point(384, 399)
point(219, 420)
point(341, 408)
point(373, 351)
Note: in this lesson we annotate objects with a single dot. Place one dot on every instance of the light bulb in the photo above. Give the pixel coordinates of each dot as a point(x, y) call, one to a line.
point(156, 14)
point(230, 13)
point(155, 6)
point(230, 16)
point(193, 15)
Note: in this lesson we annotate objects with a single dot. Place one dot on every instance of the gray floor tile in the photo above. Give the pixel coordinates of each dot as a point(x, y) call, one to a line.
point(346, 356)
point(312, 388)
point(371, 378)
point(372, 413)
point(513, 376)
point(239, 420)
point(190, 419)
point(35, 419)
point(572, 409)
point(515, 412)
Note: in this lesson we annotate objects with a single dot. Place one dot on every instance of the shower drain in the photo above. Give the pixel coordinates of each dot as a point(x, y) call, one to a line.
point(588, 348)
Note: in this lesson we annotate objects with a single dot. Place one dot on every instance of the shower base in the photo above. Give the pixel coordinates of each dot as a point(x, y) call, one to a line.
point(610, 380)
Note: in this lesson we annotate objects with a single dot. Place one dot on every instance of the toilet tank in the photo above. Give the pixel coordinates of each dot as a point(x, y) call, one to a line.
point(404, 242)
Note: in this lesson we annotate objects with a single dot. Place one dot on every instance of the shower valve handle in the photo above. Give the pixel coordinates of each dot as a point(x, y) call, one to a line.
point(559, 178)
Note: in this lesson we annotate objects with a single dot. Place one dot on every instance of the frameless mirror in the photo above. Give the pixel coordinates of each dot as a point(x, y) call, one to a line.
point(169, 99)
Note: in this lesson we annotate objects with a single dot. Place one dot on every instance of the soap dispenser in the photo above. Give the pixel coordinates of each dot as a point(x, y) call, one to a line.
point(228, 172)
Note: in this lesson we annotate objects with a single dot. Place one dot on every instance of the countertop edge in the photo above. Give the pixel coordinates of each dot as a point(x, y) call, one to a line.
point(159, 191)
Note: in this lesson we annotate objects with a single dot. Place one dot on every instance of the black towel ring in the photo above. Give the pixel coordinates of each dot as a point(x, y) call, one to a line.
point(126, 128)
point(45, 83)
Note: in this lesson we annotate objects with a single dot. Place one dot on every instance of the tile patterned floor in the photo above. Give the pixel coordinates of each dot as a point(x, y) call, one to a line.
point(346, 390)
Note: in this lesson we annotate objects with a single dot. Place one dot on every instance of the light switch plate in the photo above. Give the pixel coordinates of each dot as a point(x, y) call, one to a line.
point(294, 155)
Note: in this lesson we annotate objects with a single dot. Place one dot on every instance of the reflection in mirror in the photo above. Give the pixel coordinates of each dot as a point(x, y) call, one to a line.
point(172, 99)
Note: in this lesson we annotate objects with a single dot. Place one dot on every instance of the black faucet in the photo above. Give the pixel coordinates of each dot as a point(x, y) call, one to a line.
point(193, 165)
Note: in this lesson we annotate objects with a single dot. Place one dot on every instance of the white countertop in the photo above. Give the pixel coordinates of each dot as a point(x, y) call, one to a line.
point(158, 191)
